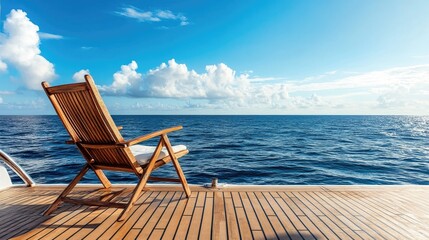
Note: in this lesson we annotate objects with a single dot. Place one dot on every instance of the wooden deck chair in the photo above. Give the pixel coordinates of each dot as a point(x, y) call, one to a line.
point(84, 115)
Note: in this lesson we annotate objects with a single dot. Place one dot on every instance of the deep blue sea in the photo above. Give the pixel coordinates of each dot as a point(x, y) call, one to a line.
point(245, 149)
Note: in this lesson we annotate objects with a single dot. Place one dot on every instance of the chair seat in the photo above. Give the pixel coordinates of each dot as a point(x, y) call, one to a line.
point(144, 153)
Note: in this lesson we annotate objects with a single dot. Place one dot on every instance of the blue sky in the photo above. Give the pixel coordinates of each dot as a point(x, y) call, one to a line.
point(220, 57)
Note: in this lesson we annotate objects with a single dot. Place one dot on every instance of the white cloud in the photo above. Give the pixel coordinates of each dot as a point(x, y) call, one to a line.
point(395, 90)
point(174, 80)
point(38, 103)
point(125, 82)
point(43, 35)
point(265, 79)
point(401, 90)
point(136, 13)
point(3, 66)
point(19, 47)
point(371, 80)
point(219, 86)
point(321, 76)
point(152, 16)
point(80, 75)
point(166, 14)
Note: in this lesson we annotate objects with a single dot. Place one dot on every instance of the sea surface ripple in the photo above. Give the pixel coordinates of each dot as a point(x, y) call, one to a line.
point(245, 149)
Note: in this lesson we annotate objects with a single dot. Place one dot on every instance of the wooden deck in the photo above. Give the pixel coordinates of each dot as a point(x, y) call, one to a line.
point(253, 212)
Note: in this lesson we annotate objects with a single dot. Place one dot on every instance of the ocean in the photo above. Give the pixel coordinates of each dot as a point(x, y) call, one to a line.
point(266, 150)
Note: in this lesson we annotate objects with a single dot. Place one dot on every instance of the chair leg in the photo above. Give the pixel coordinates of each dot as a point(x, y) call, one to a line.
point(176, 164)
point(138, 190)
point(103, 179)
point(142, 182)
point(182, 177)
point(66, 191)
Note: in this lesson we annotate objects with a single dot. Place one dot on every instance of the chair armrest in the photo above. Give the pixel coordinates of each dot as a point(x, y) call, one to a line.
point(150, 135)
point(120, 128)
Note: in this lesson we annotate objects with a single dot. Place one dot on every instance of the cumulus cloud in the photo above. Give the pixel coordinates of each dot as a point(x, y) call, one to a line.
point(174, 80)
point(125, 82)
point(152, 16)
point(220, 87)
point(19, 47)
point(80, 75)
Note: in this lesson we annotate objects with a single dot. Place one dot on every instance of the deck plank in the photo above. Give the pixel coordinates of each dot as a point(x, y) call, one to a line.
point(206, 222)
point(250, 212)
point(194, 227)
point(168, 213)
point(263, 219)
point(243, 224)
point(219, 219)
point(120, 229)
point(146, 231)
point(291, 231)
point(173, 224)
point(231, 217)
point(368, 224)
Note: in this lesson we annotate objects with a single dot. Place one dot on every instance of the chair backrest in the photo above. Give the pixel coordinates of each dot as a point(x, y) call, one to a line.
point(87, 120)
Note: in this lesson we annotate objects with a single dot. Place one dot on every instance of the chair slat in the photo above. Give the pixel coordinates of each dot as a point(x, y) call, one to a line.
point(73, 87)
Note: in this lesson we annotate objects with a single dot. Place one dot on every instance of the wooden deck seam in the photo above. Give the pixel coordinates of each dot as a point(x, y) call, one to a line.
point(380, 213)
point(376, 212)
point(277, 199)
point(278, 211)
point(208, 215)
point(312, 206)
point(236, 218)
point(139, 204)
point(359, 216)
point(85, 220)
point(55, 234)
point(257, 201)
point(331, 200)
point(242, 223)
point(170, 225)
point(344, 228)
point(153, 205)
point(197, 217)
point(300, 206)
point(76, 207)
point(246, 214)
point(173, 208)
point(161, 211)
point(403, 216)
point(294, 213)
point(185, 215)
point(275, 215)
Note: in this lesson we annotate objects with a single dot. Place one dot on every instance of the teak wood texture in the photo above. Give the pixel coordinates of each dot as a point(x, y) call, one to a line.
point(90, 126)
point(164, 212)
